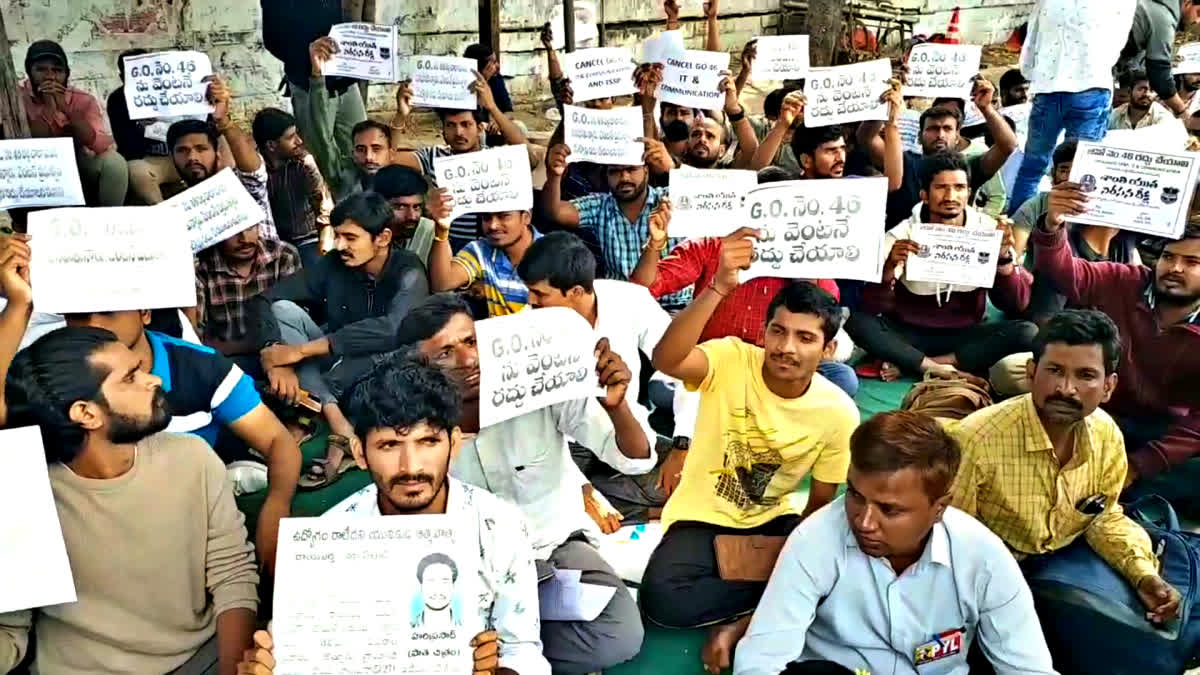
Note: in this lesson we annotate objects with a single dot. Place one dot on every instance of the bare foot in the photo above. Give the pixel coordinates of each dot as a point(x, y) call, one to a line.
point(889, 372)
point(717, 654)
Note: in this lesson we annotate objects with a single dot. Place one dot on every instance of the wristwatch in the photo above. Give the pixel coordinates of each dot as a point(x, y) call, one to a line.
point(681, 443)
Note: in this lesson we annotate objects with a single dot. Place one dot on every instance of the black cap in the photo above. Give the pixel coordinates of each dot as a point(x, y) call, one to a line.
point(43, 49)
point(1011, 78)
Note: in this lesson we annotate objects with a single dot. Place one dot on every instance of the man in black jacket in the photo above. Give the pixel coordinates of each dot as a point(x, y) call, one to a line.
point(289, 26)
point(364, 290)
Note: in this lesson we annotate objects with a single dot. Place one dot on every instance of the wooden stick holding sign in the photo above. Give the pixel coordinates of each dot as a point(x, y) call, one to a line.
point(487, 181)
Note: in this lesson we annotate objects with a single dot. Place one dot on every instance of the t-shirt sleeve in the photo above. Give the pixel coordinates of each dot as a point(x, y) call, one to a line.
point(425, 157)
point(470, 258)
point(235, 397)
point(589, 209)
point(834, 459)
point(722, 354)
point(205, 381)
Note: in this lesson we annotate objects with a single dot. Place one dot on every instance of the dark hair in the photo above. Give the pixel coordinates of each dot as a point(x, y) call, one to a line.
point(1011, 78)
point(932, 165)
point(50, 376)
point(430, 317)
point(398, 181)
point(940, 112)
point(1065, 152)
point(1075, 327)
point(128, 53)
point(369, 209)
point(270, 124)
point(371, 124)
point(481, 53)
point(774, 174)
point(675, 131)
point(806, 140)
point(902, 439)
point(773, 103)
point(402, 391)
point(188, 127)
point(436, 559)
point(805, 297)
point(476, 113)
point(1132, 77)
point(560, 259)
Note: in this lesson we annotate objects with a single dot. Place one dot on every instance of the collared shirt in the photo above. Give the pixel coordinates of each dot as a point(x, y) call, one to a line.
point(743, 314)
point(502, 286)
point(1119, 118)
point(222, 293)
point(526, 461)
point(300, 201)
point(81, 120)
point(1072, 45)
point(829, 600)
point(508, 601)
point(622, 241)
point(255, 183)
point(1011, 480)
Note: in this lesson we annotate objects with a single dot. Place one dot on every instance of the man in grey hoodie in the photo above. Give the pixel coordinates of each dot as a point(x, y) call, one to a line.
point(1151, 45)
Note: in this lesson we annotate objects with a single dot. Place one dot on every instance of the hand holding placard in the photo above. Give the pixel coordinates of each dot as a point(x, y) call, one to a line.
point(365, 51)
point(938, 70)
point(847, 93)
point(167, 84)
point(487, 181)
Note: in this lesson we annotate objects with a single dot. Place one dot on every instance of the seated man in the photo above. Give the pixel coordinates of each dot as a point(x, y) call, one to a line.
point(891, 579)
point(164, 576)
point(364, 291)
point(620, 218)
point(1043, 469)
point(404, 190)
point(150, 165)
point(56, 110)
point(1158, 313)
point(767, 421)
point(1141, 111)
point(525, 461)
point(300, 201)
point(775, 127)
point(491, 262)
point(194, 149)
point(228, 274)
point(408, 415)
point(917, 327)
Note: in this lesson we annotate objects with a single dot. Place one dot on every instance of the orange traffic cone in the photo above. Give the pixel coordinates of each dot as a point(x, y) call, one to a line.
point(953, 35)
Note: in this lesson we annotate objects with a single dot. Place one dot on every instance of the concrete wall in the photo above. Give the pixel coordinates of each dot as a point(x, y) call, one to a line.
point(93, 32)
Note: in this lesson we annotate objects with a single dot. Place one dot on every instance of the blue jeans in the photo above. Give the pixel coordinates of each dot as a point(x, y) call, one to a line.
point(1082, 115)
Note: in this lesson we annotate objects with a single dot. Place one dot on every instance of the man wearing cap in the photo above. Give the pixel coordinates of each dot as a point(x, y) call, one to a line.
point(55, 110)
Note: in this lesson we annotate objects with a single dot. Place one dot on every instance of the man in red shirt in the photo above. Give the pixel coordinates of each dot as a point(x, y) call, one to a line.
point(56, 110)
point(1157, 399)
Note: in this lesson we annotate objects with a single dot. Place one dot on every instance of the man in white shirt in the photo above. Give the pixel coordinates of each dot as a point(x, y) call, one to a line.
point(1141, 111)
point(891, 579)
point(1068, 56)
point(560, 271)
point(407, 415)
point(525, 460)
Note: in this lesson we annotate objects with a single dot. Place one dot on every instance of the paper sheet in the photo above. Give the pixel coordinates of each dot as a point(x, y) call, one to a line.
point(604, 136)
point(366, 51)
point(167, 84)
point(39, 172)
point(487, 181)
point(216, 209)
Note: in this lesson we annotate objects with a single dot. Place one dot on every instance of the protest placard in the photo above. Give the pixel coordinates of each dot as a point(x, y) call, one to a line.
point(216, 209)
point(600, 72)
point(366, 51)
point(443, 82)
point(167, 84)
point(951, 254)
point(708, 202)
point(534, 359)
point(910, 130)
point(1187, 59)
point(407, 595)
point(667, 43)
point(39, 172)
point(691, 80)
point(817, 229)
point(34, 572)
point(1138, 190)
point(110, 259)
point(780, 57)
point(487, 181)
point(937, 70)
point(847, 93)
point(604, 136)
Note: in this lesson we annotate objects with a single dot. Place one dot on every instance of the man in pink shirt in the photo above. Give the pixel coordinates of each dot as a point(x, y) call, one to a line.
point(56, 110)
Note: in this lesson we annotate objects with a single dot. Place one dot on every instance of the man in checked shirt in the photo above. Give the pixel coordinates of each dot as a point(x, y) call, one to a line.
point(1043, 469)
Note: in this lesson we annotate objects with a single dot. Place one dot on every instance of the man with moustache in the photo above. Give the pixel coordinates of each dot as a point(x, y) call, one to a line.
point(1043, 469)
point(889, 578)
point(1142, 110)
point(363, 289)
point(193, 146)
point(918, 327)
point(410, 417)
point(1014, 88)
point(404, 189)
point(1155, 401)
point(708, 135)
point(149, 522)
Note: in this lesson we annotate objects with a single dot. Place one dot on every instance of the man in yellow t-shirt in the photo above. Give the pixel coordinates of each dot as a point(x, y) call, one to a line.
point(767, 419)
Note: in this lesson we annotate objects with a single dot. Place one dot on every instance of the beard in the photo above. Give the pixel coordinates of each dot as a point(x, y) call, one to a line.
point(124, 429)
point(438, 483)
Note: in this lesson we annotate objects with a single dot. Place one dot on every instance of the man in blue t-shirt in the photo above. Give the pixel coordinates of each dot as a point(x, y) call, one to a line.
point(208, 393)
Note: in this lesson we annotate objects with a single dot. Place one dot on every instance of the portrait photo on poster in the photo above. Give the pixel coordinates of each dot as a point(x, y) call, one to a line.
point(436, 603)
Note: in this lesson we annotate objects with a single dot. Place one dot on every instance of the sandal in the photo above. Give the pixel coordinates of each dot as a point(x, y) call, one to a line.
point(319, 475)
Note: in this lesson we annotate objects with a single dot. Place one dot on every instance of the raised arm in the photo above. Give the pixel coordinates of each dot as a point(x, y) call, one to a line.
point(559, 211)
point(893, 145)
point(14, 319)
point(676, 354)
point(1004, 140)
point(646, 78)
point(245, 155)
point(444, 273)
point(747, 140)
point(646, 270)
point(791, 112)
point(554, 69)
point(712, 30)
point(749, 53)
point(671, 7)
point(508, 129)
